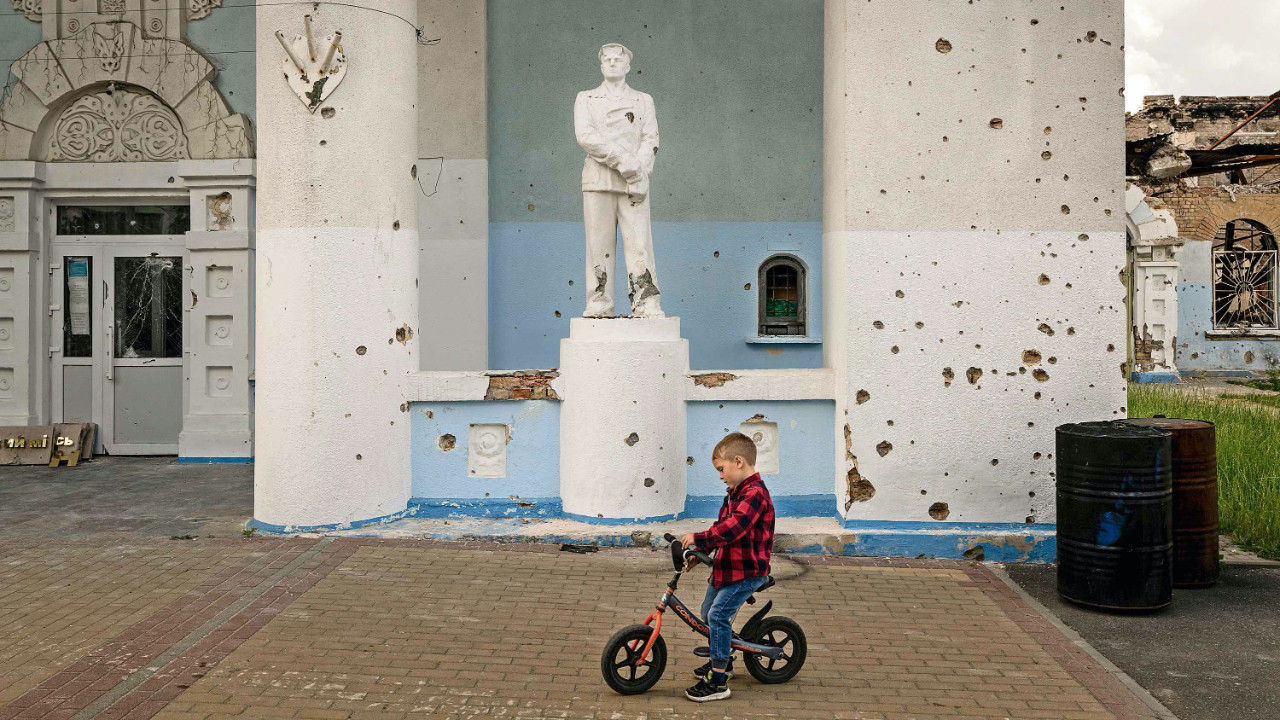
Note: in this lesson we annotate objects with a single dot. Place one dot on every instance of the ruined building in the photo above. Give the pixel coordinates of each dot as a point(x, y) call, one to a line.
point(345, 241)
point(1204, 207)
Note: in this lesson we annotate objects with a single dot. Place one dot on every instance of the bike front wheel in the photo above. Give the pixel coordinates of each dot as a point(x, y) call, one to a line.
point(777, 631)
point(623, 671)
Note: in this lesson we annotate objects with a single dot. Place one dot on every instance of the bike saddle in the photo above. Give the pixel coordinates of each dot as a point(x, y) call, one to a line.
point(768, 583)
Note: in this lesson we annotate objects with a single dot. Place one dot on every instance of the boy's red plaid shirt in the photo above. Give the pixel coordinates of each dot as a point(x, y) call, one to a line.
point(743, 532)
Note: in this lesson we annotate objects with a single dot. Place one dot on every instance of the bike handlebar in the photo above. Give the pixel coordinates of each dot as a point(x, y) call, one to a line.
point(701, 556)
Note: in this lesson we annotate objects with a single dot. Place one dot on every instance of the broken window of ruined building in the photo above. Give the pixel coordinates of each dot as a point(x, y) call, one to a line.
point(1244, 276)
point(782, 287)
point(148, 307)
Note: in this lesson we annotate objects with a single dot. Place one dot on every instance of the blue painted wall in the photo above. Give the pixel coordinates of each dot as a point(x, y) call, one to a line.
point(1195, 352)
point(17, 36)
point(226, 39)
point(531, 266)
point(805, 449)
point(533, 455)
point(739, 170)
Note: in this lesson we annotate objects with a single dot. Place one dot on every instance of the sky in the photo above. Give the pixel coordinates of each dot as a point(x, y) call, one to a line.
point(1200, 47)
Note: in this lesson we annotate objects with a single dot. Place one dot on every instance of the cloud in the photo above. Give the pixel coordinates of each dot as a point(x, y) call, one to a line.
point(1199, 47)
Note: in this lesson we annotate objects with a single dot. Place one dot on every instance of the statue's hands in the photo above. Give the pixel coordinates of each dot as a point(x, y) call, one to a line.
point(638, 189)
point(630, 169)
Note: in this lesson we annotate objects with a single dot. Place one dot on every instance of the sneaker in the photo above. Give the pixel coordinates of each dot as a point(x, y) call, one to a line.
point(705, 669)
point(705, 691)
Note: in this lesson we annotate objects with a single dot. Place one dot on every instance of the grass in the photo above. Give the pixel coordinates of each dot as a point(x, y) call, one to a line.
point(1272, 382)
point(1268, 400)
point(1248, 435)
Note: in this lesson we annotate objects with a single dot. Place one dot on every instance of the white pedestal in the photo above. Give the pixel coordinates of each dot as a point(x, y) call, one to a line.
point(622, 421)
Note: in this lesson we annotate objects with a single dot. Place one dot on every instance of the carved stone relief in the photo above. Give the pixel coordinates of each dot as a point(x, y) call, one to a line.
point(30, 8)
point(197, 9)
point(117, 125)
point(487, 450)
point(6, 215)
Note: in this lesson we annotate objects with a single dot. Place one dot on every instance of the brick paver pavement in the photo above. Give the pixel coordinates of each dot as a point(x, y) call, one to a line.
point(395, 629)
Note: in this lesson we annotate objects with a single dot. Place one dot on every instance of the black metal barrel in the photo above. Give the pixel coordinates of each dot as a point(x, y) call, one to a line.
point(1195, 500)
point(1115, 515)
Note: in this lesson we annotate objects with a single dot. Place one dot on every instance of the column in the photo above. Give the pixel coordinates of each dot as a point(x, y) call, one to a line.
point(217, 423)
point(336, 268)
point(24, 318)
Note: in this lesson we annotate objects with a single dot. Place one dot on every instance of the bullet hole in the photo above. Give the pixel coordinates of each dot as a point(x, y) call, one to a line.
point(1046, 155)
point(863, 396)
point(996, 123)
point(1091, 36)
point(1035, 456)
point(1248, 357)
point(1037, 395)
point(889, 423)
point(883, 191)
point(974, 374)
point(361, 350)
point(1053, 360)
point(447, 442)
point(1044, 328)
point(947, 376)
point(1084, 99)
point(1031, 519)
point(747, 286)
point(1031, 494)
point(632, 439)
point(688, 460)
point(884, 447)
point(975, 554)
point(1066, 210)
point(1035, 22)
point(328, 113)
point(413, 170)
point(648, 482)
point(715, 254)
point(530, 207)
point(404, 334)
point(323, 143)
point(1030, 357)
point(359, 456)
point(1031, 424)
point(1044, 279)
point(919, 325)
point(1111, 348)
point(924, 492)
point(944, 139)
point(899, 294)
point(1048, 130)
point(943, 45)
point(1071, 331)
point(877, 325)
point(894, 349)
point(1082, 237)
point(939, 511)
point(395, 225)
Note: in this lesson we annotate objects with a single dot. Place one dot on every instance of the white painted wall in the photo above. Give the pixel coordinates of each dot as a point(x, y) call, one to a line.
point(335, 273)
point(453, 170)
point(964, 240)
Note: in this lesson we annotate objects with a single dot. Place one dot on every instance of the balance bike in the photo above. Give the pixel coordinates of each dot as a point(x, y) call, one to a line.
point(773, 648)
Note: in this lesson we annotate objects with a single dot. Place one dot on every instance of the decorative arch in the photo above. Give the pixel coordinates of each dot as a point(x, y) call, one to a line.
point(58, 74)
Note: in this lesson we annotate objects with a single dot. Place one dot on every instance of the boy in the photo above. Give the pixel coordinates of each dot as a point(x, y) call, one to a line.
point(744, 535)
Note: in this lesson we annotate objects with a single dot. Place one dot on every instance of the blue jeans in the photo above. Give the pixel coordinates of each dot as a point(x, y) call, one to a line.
point(718, 610)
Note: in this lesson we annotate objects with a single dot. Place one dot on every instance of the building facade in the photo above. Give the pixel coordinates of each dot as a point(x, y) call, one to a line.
point(890, 234)
point(1224, 269)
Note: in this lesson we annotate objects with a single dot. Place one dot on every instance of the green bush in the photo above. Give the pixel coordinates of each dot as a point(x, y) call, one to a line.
point(1248, 437)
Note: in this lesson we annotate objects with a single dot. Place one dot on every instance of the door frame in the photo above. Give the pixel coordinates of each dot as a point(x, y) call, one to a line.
point(104, 249)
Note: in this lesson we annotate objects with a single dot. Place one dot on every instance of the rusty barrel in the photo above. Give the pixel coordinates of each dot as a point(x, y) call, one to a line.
point(1195, 499)
point(1115, 515)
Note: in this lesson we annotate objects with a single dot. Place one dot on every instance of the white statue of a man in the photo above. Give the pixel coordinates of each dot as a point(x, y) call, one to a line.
point(618, 128)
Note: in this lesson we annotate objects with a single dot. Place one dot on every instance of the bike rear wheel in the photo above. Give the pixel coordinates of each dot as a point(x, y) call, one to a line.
point(777, 631)
point(620, 662)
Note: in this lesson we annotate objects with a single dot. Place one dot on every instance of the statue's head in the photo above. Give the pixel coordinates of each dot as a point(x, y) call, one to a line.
point(615, 61)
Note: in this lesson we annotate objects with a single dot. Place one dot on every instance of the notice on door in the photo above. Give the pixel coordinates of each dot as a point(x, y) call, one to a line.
point(78, 294)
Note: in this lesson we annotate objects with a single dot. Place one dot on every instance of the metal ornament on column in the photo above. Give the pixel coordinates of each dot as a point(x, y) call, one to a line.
point(313, 71)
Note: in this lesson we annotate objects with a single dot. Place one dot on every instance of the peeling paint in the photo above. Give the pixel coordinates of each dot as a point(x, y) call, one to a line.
point(712, 380)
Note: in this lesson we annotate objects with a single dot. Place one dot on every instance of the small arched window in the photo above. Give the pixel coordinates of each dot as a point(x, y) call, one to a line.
point(1244, 276)
point(783, 288)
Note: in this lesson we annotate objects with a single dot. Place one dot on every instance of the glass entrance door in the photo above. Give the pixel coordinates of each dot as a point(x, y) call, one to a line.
point(116, 359)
